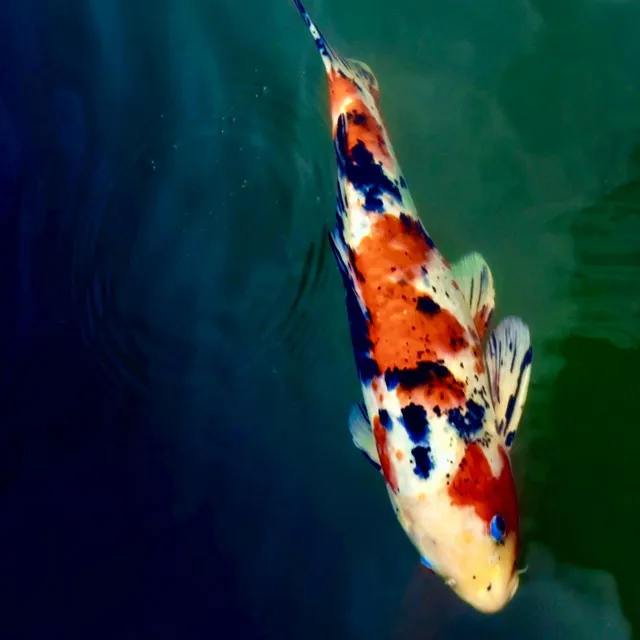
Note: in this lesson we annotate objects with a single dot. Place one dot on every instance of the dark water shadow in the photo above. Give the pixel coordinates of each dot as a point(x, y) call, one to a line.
point(161, 292)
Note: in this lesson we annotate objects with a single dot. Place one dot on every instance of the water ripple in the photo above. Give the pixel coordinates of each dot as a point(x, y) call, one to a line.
point(205, 249)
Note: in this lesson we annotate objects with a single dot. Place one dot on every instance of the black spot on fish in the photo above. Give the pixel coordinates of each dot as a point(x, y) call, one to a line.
point(358, 321)
point(414, 418)
point(427, 305)
point(415, 228)
point(424, 373)
point(340, 145)
point(489, 318)
point(513, 359)
point(303, 12)
point(385, 420)
point(357, 117)
point(366, 175)
point(469, 422)
point(424, 464)
point(511, 404)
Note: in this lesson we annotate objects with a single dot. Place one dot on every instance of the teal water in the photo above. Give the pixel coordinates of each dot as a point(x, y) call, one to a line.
point(193, 186)
point(517, 128)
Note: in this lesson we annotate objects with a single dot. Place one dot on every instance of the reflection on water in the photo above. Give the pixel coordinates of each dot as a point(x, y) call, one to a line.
point(178, 213)
point(554, 601)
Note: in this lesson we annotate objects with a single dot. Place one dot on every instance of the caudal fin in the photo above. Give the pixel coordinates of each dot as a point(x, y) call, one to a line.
point(329, 56)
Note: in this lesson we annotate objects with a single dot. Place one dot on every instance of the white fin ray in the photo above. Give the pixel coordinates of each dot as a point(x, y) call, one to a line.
point(362, 435)
point(508, 357)
point(475, 281)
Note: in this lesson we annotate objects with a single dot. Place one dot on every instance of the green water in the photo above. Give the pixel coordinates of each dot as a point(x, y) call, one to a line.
point(516, 125)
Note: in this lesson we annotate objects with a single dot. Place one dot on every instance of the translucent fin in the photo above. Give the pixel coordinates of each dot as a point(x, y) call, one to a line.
point(474, 278)
point(508, 356)
point(360, 429)
point(427, 564)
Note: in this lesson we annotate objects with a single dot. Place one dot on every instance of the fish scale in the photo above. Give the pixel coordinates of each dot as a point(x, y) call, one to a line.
point(440, 411)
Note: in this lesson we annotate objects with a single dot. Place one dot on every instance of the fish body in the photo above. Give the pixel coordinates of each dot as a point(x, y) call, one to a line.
point(440, 408)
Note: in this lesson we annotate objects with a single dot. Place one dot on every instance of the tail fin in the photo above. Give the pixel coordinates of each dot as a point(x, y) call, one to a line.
point(333, 61)
point(330, 57)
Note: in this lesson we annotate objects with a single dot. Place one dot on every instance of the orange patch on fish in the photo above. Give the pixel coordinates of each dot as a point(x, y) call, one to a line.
point(402, 335)
point(362, 126)
point(477, 354)
point(341, 90)
point(481, 320)
point(380, 435)
point(475, 485)
point(375, 387)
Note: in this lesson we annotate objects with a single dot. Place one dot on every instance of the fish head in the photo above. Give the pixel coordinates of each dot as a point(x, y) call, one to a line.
point(468, 531)
point(484, 573)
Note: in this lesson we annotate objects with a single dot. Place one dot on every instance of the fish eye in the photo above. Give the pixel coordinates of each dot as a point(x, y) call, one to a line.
point(498, 528)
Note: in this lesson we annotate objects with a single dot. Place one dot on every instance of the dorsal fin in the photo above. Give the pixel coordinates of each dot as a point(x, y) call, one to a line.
point(508, 356)
point(362, 435)
point(474, 278)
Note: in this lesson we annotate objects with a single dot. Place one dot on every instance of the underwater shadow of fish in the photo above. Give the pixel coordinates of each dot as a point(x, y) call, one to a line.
point(557, 601)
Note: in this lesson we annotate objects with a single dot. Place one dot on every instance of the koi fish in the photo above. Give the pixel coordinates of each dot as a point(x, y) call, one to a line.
point(440, 412)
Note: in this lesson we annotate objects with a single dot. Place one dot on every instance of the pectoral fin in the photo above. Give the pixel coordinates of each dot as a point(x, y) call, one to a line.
point(427, 564)
point(508, 357)
point(362, 435)
point(475, 281)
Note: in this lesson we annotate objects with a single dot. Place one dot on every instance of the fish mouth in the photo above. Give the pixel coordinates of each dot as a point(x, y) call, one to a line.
point(487, 600)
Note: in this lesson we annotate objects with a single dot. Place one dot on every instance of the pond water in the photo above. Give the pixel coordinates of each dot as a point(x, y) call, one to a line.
point(176, 362)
